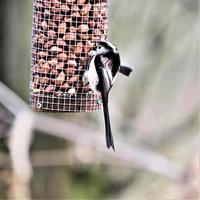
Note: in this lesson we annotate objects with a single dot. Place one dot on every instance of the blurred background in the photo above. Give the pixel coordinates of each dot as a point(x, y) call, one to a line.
point(154, 113)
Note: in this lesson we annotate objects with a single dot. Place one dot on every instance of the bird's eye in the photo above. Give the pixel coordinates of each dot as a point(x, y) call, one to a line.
point(99, 47)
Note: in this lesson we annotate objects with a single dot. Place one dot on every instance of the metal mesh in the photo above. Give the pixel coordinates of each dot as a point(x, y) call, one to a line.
point(64, 35)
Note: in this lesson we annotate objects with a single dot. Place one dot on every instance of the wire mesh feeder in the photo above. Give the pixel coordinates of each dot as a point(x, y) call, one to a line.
point(64, 35)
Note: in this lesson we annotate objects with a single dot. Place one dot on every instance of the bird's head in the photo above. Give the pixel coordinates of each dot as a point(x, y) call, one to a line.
point(105, 47)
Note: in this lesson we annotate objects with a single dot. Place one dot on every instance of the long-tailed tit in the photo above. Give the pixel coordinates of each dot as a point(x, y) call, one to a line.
point(103, 68)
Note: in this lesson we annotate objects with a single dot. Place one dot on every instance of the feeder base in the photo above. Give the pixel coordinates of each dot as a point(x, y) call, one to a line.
point(71, 103)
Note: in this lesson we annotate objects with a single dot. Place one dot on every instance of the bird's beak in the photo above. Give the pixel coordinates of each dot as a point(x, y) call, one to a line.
point(92, 53)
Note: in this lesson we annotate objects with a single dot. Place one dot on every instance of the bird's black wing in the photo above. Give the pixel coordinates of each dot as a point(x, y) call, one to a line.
point(115, 62)
point(106, 80)
point(104, 74)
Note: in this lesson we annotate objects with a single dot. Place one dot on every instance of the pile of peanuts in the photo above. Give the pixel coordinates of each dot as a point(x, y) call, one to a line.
point(65, 33)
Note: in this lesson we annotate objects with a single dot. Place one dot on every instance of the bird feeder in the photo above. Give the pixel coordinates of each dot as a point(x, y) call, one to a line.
point(64, 35)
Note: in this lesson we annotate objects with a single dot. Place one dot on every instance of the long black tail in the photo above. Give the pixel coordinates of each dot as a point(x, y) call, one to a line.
point(109, 137)
point(125, 70)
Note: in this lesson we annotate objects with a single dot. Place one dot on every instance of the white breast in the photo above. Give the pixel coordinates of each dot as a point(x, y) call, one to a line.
point(92, 76)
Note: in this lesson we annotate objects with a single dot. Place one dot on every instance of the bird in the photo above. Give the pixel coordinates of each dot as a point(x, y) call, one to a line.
point(103, 68)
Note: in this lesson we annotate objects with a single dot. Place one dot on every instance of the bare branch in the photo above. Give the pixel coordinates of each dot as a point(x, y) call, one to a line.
point(133, 156)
